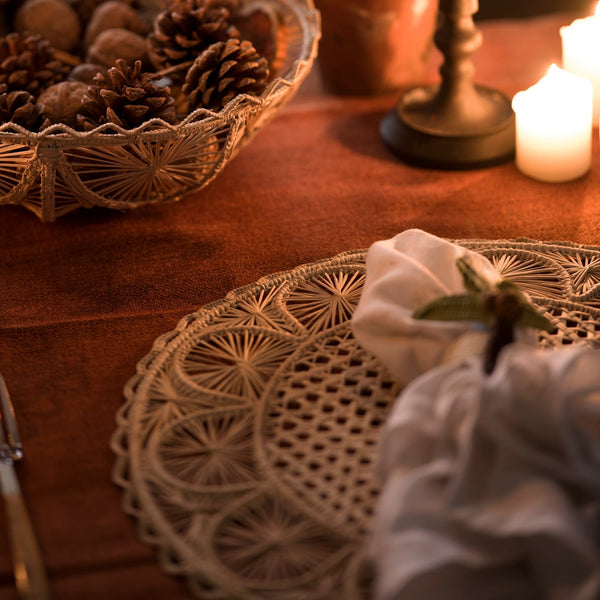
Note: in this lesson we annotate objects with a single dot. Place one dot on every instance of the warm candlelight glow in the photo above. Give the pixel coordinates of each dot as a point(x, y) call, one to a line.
point(554, 127)
point(581, 52)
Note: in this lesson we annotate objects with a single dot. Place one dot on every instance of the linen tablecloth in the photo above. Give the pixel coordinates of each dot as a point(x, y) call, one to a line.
point(83, 299)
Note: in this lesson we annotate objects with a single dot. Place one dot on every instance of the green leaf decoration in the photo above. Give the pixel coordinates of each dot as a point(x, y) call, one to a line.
point(475, 305)
point(530, 317)
point(459, 307)
point(472, 280)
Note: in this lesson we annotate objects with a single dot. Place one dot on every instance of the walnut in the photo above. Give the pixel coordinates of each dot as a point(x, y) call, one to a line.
point(86, 72)
point(54, 20)
point(112, 44)
point(61, 101)
point(114, 14)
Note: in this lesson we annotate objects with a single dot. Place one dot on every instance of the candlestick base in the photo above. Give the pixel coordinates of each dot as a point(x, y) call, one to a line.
point(427, 130)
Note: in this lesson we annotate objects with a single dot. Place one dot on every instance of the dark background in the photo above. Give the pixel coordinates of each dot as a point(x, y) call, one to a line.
point(527, 8)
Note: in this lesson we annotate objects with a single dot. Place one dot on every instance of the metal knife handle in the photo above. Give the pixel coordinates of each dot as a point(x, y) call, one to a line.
point(30, 574)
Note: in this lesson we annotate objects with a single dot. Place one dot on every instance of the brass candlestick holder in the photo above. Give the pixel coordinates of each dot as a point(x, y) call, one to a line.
point(456, 124)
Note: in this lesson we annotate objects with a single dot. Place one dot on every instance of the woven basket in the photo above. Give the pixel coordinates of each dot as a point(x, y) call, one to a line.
point(58, 170)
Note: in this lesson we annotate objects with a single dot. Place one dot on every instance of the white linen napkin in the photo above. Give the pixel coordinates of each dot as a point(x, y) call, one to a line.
point(491, 484)
point(405, 273)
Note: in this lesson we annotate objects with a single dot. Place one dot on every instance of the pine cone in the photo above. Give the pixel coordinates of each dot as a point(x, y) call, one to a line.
point(126, 97)
point(19, 107)
point(222, 71)
point(185, 29)
point(28, 62)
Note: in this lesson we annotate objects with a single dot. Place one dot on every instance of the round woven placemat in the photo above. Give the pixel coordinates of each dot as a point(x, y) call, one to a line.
point(248, 438)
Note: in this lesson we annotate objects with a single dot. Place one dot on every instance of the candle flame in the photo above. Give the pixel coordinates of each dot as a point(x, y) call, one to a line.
point(558, 92)
point(597, 11)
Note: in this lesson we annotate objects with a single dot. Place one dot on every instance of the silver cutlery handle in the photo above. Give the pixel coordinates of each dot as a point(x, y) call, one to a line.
point(30, 574)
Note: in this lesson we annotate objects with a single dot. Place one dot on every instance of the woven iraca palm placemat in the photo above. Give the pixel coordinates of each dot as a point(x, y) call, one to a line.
point(247, 443)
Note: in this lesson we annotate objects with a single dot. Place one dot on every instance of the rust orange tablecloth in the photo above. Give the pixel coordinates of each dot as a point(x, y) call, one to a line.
point(82, 300)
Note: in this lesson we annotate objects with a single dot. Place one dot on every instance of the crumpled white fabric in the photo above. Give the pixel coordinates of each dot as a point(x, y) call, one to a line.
point(491, 484)
point(405, 273)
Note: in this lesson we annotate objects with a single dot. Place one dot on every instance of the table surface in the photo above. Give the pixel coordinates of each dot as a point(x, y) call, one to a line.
point(83, 299)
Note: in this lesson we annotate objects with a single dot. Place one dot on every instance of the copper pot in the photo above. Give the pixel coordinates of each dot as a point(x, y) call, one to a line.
point(375, 46)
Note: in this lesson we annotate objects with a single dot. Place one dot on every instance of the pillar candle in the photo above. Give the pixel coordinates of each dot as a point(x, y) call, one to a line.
point(581, 52)
point(554, 127)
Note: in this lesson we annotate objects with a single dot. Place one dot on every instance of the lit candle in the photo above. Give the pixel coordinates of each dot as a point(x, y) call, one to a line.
point(554, 127)
point(581, 52)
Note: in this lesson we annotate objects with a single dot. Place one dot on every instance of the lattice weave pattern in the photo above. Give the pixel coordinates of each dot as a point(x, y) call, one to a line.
point(247, 443)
